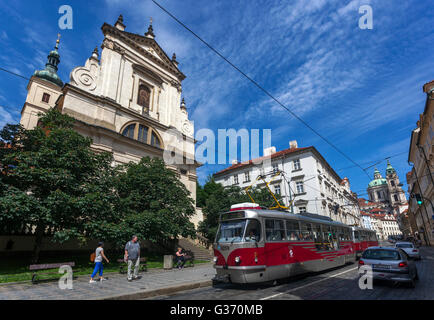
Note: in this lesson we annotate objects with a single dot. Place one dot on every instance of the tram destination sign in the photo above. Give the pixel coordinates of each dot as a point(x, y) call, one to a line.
point(232, 215)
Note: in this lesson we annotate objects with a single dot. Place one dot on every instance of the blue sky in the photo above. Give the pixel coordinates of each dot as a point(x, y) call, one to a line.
point(362, 89)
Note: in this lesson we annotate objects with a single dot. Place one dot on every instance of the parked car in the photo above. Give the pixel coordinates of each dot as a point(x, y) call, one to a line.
point(390, 264)
point(409, 249)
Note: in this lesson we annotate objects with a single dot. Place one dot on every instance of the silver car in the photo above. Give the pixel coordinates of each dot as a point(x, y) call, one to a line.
point(409, 249)
point(391, 264)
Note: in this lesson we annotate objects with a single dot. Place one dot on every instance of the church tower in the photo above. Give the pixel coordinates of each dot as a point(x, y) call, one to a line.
point(377, 189)
point(397, 195)
point(43, 89)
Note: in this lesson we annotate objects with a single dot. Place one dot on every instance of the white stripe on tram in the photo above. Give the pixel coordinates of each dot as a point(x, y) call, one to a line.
point(307, 285)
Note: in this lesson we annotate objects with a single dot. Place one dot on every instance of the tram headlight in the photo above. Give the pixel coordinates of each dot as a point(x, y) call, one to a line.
point(237, 259)
point(215, 259)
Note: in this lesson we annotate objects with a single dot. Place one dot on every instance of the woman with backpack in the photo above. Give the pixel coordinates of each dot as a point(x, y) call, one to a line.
point(97, 258)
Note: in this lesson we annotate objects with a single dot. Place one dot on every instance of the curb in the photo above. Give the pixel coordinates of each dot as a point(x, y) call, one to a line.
point(159, 292)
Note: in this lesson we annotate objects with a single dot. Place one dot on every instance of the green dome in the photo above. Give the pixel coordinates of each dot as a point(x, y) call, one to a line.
point(50, 71)
point(378, 180)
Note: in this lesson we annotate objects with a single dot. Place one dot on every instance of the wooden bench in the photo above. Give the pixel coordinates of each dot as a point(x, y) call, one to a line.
point(123, 268)
point(47, 266)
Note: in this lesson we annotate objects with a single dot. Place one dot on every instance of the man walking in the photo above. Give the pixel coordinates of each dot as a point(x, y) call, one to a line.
point(132, 255)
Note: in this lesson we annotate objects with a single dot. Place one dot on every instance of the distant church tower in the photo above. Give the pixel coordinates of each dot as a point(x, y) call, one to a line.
point(387, 190)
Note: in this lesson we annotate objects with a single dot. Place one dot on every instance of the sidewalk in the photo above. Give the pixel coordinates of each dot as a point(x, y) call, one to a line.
point(152, 283)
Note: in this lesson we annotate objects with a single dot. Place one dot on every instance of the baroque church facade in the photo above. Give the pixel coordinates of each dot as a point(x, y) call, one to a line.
point(127, 99)
point(387, 191)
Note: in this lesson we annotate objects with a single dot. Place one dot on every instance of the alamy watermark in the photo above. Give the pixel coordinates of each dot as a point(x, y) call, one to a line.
point(66, 281)
point(366, 277)
point(366, 21)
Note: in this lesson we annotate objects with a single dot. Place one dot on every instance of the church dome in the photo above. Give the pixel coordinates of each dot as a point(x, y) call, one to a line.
point(50, 71)
point(378, 180)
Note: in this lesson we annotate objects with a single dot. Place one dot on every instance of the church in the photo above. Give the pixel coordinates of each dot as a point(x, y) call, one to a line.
point(126, 98)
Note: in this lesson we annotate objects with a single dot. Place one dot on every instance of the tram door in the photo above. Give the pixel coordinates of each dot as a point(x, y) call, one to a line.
point(276, 249)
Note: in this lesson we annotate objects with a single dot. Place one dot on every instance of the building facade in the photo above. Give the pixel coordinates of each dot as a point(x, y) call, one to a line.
point(420, 180)
point(308, 183)
point(127, 99)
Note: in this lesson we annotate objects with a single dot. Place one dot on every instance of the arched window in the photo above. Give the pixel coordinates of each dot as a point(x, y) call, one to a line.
point(143, 134)
point(144, 97)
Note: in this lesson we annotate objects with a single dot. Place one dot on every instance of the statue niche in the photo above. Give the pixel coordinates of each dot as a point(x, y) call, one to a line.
point(144, 98)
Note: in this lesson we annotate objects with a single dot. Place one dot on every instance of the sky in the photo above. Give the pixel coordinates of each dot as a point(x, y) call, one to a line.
point(361, 89)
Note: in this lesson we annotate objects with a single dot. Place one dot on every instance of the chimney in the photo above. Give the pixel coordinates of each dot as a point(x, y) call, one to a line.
point(269, 151)
point(293, 144)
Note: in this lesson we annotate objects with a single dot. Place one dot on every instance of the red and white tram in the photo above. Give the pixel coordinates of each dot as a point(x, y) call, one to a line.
point(362, 239)
point(257, 245)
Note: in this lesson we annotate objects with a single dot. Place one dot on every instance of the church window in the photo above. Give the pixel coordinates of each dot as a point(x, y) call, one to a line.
point(392, 183)
point(45, 97)
point(144, 97)
point(395, 197)
point(143, 134)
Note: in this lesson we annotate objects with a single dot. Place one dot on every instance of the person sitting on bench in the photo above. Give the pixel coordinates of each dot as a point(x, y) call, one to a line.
point(180, 258)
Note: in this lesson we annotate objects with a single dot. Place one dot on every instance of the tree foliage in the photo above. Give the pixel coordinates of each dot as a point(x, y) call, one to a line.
point(53, 182)
point(218, 199)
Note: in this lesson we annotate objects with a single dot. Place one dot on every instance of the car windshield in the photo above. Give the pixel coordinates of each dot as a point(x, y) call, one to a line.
point(379, 254)
point(404, 245)
point(231, 231)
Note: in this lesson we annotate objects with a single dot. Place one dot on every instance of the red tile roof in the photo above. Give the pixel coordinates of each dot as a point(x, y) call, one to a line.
point(273, 156)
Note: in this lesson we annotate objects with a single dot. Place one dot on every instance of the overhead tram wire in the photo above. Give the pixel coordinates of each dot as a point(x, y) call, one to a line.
point(259, 87)
point(14, 73)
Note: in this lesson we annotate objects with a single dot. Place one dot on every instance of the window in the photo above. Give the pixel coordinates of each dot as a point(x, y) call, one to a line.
point(327, 237)
point(274, 230)
point(299, 186)
point(183, 171)
point(317, 236)
point(143, 97)
point(246, 176)
point(301, 209)
point(292, 230)
point(236, 179)
point(45, 97)
point(297, 164)
point(231, 231)
point(275, 168)
point(277, 189)
point(306, 231)
point(392, 183)
point(395, 197)
point(143, 134)
point(378, 195)
point(253, 230)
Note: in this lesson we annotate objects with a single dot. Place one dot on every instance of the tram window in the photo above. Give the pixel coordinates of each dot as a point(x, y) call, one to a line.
point(341, 235)
point(306, 231)
point(317, 236)
point(327, 237)
point(356, 235)
point(292, 230)
point(334, 238)
point(253, 230)
point(231, 231)
point(274, 230)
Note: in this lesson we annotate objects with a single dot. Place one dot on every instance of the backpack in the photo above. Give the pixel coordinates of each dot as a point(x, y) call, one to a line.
point(92, 257)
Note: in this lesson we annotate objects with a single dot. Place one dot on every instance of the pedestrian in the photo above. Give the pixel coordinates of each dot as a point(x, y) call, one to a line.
point(180, 258)
point(132, 256)
point(99, 255)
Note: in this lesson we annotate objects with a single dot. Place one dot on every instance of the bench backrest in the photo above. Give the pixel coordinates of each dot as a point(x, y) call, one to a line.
point(50, 265)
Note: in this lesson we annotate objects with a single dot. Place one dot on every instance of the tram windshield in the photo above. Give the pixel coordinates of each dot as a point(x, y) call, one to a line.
point(239, 230)
point(231, 231)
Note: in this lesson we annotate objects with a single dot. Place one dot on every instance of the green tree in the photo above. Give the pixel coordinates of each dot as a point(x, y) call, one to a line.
point(219, 199)
point(51, 183)
point(154, 203)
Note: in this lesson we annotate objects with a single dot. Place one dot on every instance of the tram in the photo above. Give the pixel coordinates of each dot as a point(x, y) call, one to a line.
point(363, 238)
point(257, 245)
